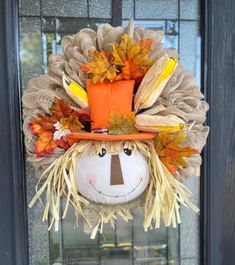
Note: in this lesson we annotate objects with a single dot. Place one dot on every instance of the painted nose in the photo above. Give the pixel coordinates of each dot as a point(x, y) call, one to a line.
point(116, 177)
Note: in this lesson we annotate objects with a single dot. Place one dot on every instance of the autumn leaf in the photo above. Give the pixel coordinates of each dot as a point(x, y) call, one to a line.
point(128, 60)
point(132, 71)
point(121, 124)
point(62, 118)
point(146, 43)
point(170, 150)
point(101, 67)
point(42, 123)
point(43, 126)
point(120, 51)
point(132, 58)
point(63, 144)
point(60, 108)
point(84, 115)
point(72, 123)
point(45, 144)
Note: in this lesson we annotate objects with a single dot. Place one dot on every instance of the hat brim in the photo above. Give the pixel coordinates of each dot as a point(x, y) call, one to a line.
point(77, 137)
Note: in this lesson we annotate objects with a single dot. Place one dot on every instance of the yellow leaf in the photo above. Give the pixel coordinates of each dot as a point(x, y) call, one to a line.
point(72, 123)
point(118, 55)
point(100, 68)
point(120, 124)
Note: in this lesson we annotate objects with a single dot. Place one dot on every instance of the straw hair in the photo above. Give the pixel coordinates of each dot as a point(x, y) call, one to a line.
point(162, 197)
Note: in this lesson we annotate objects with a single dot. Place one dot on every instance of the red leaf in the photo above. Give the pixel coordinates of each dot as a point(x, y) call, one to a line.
point(60, 108)
point(63, 144)
point(84, 115)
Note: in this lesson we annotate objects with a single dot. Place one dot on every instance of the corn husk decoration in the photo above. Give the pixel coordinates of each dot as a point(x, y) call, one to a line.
point(75, 91)
point(156, 123)
point(147, 94)
point(154, 82)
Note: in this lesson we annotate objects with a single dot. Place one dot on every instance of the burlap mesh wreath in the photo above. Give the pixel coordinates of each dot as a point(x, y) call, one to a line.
point(181, 97)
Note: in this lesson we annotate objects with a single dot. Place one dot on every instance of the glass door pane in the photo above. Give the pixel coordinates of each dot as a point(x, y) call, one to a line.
point(43, 23)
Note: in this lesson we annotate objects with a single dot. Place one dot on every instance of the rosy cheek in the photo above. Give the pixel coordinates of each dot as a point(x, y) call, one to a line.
point(138, 178)
point(91, 180)
point(141, 177)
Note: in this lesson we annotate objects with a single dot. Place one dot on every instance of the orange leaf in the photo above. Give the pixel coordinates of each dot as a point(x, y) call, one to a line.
point(45, 144)
point(132, 57)
point(100, 68)
point(132, 71)
point(60, 108)
point(42, 123)
point(35, 127)
point(170, 151)
point(146, 43)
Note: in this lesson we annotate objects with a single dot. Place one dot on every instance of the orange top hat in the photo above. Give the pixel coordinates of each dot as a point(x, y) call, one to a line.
point(103, 99)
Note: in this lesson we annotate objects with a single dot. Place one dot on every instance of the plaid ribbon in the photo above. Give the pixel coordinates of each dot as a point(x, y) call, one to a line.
point(99, 130)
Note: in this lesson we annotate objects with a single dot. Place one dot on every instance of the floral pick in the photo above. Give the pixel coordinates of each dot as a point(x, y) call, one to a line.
point(128, 60)
point(132, 57)
point(170, 150)
point(51, 130)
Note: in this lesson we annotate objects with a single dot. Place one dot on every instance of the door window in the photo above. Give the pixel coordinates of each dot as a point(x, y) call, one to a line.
point(43, 23)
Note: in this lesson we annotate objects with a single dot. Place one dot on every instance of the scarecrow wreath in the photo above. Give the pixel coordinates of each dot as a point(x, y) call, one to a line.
point(116, 124)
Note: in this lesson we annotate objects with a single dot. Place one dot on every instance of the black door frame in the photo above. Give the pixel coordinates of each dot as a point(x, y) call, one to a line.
point(13, 219)
point(218, 180)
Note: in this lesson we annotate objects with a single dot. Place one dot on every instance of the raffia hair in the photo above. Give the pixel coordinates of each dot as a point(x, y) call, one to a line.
point(162, 196)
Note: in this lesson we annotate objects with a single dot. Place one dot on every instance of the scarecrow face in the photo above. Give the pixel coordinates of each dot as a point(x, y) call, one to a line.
point(112, 178)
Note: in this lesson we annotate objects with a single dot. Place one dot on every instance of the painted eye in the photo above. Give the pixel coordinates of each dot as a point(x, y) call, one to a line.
point(127, 151)
point(102, 153)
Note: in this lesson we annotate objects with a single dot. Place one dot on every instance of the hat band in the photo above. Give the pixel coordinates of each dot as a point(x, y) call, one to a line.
point(100, 130)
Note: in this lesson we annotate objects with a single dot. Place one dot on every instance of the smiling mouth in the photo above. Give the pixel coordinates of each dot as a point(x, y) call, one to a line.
point(116, 196)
